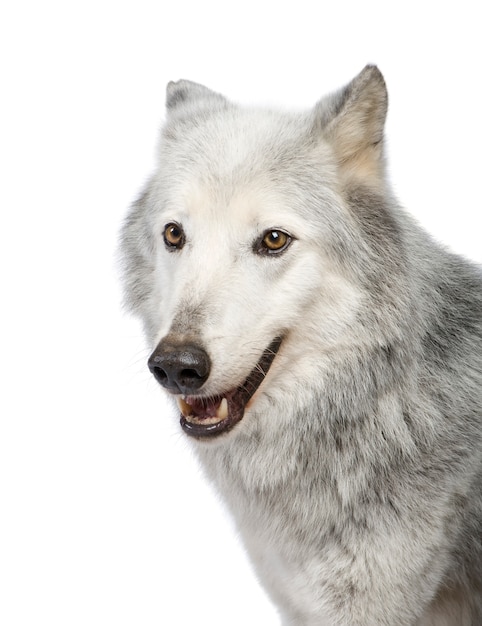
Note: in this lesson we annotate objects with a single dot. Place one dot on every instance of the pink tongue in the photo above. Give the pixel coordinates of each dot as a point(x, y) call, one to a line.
point(203, 408)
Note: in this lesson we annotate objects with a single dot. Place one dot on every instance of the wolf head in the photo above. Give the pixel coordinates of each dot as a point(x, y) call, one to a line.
point(264, 244)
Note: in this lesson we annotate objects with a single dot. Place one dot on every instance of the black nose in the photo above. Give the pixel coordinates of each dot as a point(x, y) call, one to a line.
point(180, 368)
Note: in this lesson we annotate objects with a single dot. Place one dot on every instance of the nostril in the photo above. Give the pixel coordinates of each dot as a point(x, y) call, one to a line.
point(159, 374)
point(187, 374)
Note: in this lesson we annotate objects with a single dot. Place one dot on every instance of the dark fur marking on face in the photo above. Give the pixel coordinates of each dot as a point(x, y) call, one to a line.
point(188, 322)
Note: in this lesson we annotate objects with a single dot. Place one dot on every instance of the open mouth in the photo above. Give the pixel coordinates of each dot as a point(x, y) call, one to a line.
point(212, 415)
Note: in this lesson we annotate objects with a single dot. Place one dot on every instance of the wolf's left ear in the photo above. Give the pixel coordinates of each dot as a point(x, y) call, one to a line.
point(186, 93)
point(352, 121)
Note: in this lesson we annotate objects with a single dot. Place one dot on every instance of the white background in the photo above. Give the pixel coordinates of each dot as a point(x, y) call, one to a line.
point(104, 517)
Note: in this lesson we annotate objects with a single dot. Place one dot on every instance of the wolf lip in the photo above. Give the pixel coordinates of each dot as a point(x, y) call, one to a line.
point(212, 415)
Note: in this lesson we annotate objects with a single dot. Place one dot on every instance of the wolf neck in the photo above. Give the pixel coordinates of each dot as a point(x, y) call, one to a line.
point(355, 430)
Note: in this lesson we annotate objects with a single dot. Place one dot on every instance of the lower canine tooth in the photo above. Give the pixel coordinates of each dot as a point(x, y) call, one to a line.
point(222, 411)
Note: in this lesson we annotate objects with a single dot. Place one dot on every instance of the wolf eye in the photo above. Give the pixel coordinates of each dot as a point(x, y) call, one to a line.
point(174, 236)
point(273, 242)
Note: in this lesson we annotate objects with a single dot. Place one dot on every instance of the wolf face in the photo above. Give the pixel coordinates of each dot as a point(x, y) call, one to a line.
point(243, 223)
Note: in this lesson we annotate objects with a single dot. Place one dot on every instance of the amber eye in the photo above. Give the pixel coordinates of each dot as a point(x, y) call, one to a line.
point(273, 241)
point(174, 236)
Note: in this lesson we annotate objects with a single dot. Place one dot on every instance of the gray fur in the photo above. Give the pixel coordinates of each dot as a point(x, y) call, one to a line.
point(355, 476)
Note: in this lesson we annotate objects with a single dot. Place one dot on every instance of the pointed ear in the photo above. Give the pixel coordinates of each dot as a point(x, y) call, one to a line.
point(352, 121)
point(186, 93)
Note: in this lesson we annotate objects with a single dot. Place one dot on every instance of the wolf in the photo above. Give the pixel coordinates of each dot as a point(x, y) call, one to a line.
point(322, 352)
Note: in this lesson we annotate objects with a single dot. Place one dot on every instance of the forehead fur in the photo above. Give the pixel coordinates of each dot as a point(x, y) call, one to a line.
point(221, 151)
point(227, 142)
point(235, 134)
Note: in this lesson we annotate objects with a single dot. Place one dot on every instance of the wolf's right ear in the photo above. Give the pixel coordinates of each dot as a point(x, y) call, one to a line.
point(185, 92)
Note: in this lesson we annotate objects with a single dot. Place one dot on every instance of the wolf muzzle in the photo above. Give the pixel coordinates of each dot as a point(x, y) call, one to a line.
point(183, 368)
